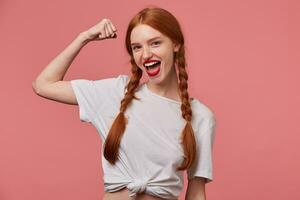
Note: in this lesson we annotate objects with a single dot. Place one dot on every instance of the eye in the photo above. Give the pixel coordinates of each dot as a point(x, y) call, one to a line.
point(135, 47)
point(156, 42)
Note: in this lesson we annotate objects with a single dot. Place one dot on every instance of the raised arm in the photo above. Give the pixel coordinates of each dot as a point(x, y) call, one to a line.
point(49, 83)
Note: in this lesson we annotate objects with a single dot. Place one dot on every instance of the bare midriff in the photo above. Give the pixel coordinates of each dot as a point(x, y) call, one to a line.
point(124, 195)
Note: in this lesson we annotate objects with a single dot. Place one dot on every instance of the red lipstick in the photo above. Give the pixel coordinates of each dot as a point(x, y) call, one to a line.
point(152, 71)
point(148, 61)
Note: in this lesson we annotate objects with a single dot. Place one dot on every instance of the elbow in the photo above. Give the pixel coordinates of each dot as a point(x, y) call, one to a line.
point(35, 87)
point(33, 84)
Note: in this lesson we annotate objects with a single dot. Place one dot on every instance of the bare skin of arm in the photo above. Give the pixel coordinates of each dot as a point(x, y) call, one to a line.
point(196, 189)
point(49, 83)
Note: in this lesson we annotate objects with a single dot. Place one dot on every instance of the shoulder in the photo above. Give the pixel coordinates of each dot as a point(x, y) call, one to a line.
point(202, 110)
point(114, 82)
point(120, 79)
point(203, 115)
point(123, 79)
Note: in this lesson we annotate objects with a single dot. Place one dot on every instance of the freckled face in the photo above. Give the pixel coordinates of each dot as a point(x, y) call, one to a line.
point(149, 44)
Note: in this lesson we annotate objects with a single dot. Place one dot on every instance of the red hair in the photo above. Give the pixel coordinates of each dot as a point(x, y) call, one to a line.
point(166, 23)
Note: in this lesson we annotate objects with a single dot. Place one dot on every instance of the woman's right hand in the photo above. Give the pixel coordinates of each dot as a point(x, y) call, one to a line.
point(102, 30)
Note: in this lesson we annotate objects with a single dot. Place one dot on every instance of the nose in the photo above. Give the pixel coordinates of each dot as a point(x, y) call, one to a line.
point(146, 53)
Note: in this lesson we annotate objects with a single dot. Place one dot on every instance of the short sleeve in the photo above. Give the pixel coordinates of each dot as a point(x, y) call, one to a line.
point(203, 163)
point(94, 95)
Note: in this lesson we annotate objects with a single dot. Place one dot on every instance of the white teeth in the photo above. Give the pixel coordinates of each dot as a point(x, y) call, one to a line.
point(149, 64)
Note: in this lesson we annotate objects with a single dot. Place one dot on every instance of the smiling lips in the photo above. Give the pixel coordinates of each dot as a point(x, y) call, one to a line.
point(152, 71)
point(150, 61)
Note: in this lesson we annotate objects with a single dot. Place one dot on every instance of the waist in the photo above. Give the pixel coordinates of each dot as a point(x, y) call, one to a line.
point(124, 195)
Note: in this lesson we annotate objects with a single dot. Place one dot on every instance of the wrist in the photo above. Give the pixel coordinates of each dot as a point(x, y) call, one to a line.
point(83, 38)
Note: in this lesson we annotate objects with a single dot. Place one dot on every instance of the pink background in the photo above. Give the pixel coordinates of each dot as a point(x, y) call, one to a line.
point(242, 63)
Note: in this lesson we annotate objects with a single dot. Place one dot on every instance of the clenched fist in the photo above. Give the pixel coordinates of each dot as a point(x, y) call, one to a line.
point(102, 30)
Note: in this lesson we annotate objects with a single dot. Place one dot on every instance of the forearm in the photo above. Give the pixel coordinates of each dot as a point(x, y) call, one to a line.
point(58, 67)
point(196, 189)
point(198, 196)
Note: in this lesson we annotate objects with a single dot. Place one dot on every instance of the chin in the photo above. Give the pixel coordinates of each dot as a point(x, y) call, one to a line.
point(158, 80)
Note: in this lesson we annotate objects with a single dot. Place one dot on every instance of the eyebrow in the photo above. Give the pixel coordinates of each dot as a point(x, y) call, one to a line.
point(148, 40)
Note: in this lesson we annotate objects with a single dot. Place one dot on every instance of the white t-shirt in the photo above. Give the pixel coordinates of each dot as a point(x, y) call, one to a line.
point(150, 149)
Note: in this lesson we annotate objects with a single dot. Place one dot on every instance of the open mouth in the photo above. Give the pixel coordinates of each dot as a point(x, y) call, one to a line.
point(152, 65)
point(152, 68)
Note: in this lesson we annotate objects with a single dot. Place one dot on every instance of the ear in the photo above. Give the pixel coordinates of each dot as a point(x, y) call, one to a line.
point(176, 47)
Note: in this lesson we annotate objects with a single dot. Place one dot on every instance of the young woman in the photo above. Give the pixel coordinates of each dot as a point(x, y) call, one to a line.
point(151, 132)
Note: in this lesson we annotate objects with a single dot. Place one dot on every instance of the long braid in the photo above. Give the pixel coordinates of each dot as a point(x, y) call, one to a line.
point(112, 142)
point(188, 138)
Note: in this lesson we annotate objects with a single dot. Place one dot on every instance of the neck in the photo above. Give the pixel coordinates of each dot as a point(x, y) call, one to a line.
point(168, 88)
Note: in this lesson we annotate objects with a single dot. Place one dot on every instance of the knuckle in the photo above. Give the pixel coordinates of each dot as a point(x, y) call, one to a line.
point(103, 21)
